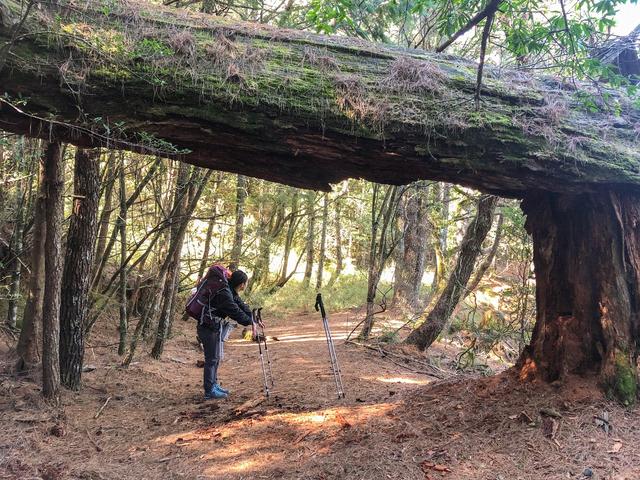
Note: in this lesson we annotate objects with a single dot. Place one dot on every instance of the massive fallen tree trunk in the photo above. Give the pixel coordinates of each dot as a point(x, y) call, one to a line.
point(299, 108)
point(308, 110)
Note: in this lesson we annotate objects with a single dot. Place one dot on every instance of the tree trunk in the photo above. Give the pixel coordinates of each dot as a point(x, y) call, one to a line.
point(105, 215)
point(29, 343)
point(78, 265)
point(470, 248)
point(288, 242)
point(241, 196)
point(380, 247)
point(323, 240)
point(114, 234)
point(410, 269)
point(587, 264)
point(337, 223)
point(176, 219)
point(198, 182)
point(53, 259)
point(212, 223)
point(16, 248)
point(311, 226)
point(122, 227)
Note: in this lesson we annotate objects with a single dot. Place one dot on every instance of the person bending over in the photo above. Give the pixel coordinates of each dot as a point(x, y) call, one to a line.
point(214, 328)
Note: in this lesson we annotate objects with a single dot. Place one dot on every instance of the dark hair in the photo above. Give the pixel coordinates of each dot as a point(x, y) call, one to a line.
point(237, 278)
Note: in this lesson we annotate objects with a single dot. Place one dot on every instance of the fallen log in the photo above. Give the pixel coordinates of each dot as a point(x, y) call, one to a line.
point(299, 108)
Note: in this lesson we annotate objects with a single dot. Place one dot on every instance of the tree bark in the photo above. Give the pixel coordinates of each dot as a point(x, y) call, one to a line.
point(310, 244)
point(30, 341)
point(81, 237)
point(470, 248)
point(383, 209)
point(53, 259)
point(382, 121)
point(410, 268)
point(587, 264)
point(105, 215)
point(337, 223)
point(16, 248)
point(114, 234)
point(323, 240)
point(198, 182)
point(288, 241)
point(241, 196)
point(123, 326)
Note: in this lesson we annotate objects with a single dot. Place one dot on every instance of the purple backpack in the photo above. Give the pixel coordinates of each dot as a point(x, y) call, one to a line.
point(214, 280)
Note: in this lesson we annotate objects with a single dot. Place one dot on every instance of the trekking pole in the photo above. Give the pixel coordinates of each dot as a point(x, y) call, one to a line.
point(333, 357)
point(264, 371)
point(266, 349)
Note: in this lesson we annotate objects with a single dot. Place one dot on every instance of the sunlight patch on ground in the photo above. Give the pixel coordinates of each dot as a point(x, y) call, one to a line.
point(289, 339)
point(411, 381)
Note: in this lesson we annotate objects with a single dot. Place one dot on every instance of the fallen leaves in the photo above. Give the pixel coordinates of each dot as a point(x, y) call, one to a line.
point(617, 446)
point(428, 467)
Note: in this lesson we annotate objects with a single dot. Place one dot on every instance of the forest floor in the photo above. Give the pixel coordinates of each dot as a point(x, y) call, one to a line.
point(395, 423)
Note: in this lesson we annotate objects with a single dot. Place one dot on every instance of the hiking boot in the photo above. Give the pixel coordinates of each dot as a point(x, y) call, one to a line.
point(215, 394)
point(218, 387)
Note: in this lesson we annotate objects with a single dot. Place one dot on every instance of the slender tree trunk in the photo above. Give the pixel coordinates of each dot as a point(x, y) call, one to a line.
point(410, 267)
point(586, 252)
point(444, 229)
point(288, 243)
point(337, 222)
point(176, 219)
point(122, 226)
point(241, 196)
point(29, 343)
point(78, 265)
point(323, 240)
point(16, 247)
point(382, 215)
point(53, 259)
point(105, 215)
point(311, 226)
point(471, 246)
point(212, 223)
point(173, 258)
point(114, 234)
point(484, 266)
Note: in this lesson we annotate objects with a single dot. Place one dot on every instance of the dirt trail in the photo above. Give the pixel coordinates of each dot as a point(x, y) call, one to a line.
point(157, 425)
point(393, 424)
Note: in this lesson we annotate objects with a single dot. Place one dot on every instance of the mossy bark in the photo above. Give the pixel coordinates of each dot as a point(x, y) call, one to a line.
point(298, 108)
point(587, 263)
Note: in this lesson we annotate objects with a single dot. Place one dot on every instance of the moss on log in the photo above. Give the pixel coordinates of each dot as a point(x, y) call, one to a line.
point(299, 108)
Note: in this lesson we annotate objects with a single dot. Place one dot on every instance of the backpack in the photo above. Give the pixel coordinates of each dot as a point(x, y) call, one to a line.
point(214, 281)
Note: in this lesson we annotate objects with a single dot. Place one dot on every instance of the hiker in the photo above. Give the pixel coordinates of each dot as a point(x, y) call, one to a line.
point(222, 301)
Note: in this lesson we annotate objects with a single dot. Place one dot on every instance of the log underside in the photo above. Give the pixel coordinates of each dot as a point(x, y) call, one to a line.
point(301, 109)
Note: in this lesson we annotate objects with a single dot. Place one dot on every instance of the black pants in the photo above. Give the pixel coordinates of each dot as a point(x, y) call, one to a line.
point(211, 344)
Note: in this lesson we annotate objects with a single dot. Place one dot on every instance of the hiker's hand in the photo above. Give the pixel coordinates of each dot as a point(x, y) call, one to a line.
point(260, 323)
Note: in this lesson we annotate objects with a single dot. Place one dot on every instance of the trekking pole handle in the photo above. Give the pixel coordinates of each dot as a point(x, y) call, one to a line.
point(320, 305)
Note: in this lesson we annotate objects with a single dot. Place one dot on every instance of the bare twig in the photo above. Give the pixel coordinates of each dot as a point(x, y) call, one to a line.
point(99, 412)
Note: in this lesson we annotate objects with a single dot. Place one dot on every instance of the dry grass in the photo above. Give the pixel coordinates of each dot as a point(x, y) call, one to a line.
point(407, 74)
point(354, 99)
point(319, 58)
point(182, 42)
